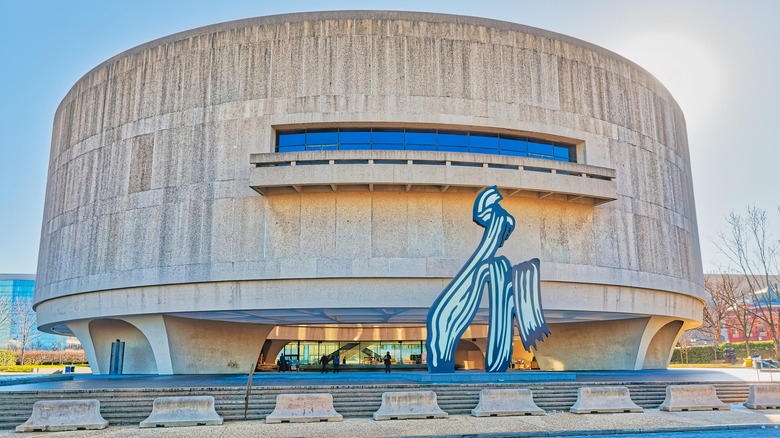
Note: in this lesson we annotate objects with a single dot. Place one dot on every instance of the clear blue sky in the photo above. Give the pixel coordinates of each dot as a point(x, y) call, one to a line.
point(721, 61)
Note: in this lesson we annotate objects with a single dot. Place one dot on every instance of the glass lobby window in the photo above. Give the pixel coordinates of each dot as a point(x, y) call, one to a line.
point(398, 139)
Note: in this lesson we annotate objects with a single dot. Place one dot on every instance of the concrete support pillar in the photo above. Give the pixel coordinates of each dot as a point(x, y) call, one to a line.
point(81, 330)
point(153, 327)
point(655, 350)
point(200, 346)
point(274, 349)
point(595, 345)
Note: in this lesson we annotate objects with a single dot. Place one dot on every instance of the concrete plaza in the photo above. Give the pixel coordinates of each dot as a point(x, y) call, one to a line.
point(556, 423)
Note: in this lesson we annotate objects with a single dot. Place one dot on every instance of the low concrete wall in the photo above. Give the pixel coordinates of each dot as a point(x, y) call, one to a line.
point(764, 396)
point(409, 405)
point(183, 411)
point(504, 402)
point(692, 398)
point(604, 399)
point(58, 415)
point(303, 408)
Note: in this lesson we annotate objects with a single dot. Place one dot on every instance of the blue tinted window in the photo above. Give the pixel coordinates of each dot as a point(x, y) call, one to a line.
point(560, 151)
point(514, 153)
point(420, 147)
point(355, 136)
point(453, 139)
point(291, 148)
point(355, 147)
point(292, 139)
point(391, 137)
point(331, 139)
point(327, 137)
point(420, 137)
point(513, 145)
point(452, 149)
point(385, 147)
point(534, 147)
point(483, 142)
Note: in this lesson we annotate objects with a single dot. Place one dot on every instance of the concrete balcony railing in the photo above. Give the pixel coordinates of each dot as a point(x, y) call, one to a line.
point(419, 171)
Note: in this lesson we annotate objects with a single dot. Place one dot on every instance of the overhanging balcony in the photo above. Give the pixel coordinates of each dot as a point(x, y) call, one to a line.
point(420, 171)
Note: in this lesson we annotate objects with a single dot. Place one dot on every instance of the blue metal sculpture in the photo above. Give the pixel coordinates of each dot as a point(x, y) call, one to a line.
point(514, 293)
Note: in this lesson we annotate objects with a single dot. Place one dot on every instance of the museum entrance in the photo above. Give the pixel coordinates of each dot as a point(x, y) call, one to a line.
point(355, 355)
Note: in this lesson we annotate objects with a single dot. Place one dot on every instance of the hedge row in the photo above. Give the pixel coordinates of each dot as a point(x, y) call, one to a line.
point(7, 358)
point(705, 354)
point(43, 357)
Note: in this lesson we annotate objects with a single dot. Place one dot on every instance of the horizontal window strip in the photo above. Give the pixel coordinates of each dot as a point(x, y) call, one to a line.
point(398, 139)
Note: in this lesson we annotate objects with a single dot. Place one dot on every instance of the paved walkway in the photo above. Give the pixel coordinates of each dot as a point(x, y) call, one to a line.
point(727, 423)
point(88, 381)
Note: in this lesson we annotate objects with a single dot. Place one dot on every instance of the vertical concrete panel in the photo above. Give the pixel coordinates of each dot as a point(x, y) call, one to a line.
point(353, 226)
point(248, 239)
point(317, 225)
point(283, 227)
point(389, 232)
point(461, 234)
point(426, 234)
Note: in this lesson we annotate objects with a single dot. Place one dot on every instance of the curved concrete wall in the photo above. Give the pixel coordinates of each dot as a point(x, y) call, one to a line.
point(149, 178)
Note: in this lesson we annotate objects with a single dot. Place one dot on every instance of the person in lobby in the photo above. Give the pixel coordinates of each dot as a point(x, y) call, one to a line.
point(387, 362)
point(324, 363)
point(336, 364)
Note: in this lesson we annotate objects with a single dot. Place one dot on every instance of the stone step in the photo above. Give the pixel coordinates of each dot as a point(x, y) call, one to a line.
point(130, 406)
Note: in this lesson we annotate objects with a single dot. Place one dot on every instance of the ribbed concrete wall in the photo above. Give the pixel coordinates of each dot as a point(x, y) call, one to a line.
point(149, 176)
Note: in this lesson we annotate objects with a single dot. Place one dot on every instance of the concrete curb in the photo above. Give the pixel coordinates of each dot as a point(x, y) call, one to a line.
point(592, 432)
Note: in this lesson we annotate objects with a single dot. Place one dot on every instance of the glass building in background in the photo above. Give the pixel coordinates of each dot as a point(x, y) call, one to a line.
point(16, 287)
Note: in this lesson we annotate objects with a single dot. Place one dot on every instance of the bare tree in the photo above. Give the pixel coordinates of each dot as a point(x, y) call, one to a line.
point(732, 292)
point(686, 341)
point(23, 324)
point(715, 312)
point(751, 249)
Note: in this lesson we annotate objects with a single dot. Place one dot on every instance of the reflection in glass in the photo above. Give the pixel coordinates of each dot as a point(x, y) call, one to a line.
point(392, 139)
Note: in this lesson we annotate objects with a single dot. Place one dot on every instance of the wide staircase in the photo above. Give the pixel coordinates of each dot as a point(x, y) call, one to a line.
point(131, 406)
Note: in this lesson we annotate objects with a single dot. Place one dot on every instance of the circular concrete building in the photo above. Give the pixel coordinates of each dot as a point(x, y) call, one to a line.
point(304, 184)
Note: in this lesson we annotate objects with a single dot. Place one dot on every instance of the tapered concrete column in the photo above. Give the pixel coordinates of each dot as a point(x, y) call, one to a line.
point(597, 345)
point(153, 327)
point(661, 335)
point(274, 349)
point(657, 353)
point(200, 346)
point(81, 330)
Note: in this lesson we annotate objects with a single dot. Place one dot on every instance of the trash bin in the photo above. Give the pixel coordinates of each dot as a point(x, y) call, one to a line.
point(748, 362)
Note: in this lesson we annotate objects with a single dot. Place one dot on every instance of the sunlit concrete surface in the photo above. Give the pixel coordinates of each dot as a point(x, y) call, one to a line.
point(461, 425)
point(315, 378)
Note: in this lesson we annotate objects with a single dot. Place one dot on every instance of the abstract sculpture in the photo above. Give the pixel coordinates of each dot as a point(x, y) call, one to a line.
point(514, 293)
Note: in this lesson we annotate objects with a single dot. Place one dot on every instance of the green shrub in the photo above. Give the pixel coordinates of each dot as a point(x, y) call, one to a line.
point(7, 358)
point(705, 354)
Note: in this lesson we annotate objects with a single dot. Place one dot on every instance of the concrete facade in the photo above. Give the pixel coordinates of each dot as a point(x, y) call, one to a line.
point(163, 226)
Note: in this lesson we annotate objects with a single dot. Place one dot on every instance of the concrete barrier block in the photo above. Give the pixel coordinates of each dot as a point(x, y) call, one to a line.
point(764, 396)
point(183, 411)
point(604, 399)
point(692, 398)
point(409, 405)
point(303, 408)
point(57, 415)
point(504, 402)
